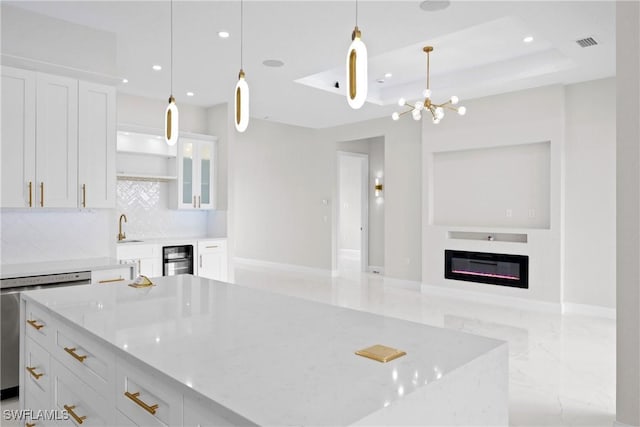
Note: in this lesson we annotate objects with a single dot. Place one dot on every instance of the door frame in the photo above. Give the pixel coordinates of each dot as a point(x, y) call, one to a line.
point(364, 210)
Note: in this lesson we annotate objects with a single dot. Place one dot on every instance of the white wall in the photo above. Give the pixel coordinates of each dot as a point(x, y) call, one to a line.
point(590, 202)
point(280, 176)
point(374, 148)
point(141, 111)
point(49, 40)
point(402, 189)
point(628, 213)
point(504, 121)
point(350, 202)
point(54, 235)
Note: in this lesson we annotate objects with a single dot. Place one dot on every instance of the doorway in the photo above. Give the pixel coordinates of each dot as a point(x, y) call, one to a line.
point(353, 211)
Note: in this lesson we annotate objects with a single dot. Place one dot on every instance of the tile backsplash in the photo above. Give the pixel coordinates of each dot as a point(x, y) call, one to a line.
point(52, 235)
point(146, 204)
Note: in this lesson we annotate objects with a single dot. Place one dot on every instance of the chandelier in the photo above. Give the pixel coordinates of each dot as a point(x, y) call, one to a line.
point(437, 110)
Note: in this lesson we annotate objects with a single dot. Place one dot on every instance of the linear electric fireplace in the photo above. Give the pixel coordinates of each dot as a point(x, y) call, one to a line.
point(482, 267)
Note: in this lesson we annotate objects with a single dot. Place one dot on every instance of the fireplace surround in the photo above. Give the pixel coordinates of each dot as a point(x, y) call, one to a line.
point(489, 268)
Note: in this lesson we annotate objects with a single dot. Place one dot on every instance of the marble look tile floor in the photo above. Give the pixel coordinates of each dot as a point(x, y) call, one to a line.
point(561, 367)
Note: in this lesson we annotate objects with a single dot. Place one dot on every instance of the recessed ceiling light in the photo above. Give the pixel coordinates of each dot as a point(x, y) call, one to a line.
point(223, 34)
point(190, 93)
point(388, 75)
point(528, 39)
point(434, 5)
point(157, 67)
point(272, 63)
point(125, 81)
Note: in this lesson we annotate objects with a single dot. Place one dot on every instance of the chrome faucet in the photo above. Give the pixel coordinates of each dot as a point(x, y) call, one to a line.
point(121, 235)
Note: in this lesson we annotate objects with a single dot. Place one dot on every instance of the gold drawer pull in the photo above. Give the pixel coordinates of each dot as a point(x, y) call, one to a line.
point(212, 247)
point(120, 279)
point(134, 396)
point(72, 351)
point(30, 425)
point(30, 194)
point(84, 195)
point(42, 194)
point(79, 419)
point(34, 374)
point(35, 324)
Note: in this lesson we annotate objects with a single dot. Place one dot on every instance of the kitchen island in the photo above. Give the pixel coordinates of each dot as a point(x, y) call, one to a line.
point(191, 351)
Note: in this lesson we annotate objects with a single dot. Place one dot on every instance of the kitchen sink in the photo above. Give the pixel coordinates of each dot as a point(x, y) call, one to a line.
point(129, 241)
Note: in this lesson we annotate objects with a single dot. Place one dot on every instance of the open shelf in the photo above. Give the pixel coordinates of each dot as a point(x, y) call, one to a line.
point(145, 177)
point(140, 153)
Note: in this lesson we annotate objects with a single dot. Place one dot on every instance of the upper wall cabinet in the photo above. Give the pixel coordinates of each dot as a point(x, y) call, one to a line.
point(97, 145)
point(55, 154)
point(18, 137)
point(195, 188)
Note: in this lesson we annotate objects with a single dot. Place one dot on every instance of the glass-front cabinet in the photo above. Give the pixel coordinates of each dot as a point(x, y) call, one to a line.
point(196, 173)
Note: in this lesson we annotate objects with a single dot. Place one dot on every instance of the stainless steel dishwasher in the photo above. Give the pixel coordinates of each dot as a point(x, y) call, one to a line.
point(10, 310)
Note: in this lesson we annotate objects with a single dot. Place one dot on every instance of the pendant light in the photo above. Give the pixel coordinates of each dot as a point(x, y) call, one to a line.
point(171, 113)
point(241, 96)
point(427, 106)
point(357, 81)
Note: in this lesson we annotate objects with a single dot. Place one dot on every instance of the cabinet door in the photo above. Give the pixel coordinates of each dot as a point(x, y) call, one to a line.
point(212, 260)
point(206, 174)
point(18, 138)
point(96, 146)
point(187, 179)
point(56, 141)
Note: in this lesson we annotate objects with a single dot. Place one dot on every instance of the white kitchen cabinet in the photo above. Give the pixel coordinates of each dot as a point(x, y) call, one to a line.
point(55, 155)
point(96, 145)
point(212, 259)
point(146, 257)
point(195, 188)
point(18, 137)
point(56, 141)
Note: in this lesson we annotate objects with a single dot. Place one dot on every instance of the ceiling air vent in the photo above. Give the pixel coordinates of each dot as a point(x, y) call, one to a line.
point(589, 41)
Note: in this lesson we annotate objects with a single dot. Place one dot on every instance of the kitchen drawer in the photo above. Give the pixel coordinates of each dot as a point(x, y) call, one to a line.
point(37, 378)
point(40, 326)
point(112, 275)
point(144, 399)
point(134, 251)
point(84, 405)
point(31, 403)
point(218, 245)
point(123, 421)
point(91, 361)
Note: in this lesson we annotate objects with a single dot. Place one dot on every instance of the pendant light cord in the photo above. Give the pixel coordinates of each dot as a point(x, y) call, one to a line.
point(356, 13)
point(171, 65)
point(427, 70)
point(241, 33)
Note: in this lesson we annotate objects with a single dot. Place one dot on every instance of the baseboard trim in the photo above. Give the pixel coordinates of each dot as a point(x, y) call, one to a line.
point(402, 283)
point(588, 310)
point(286, 267)
point(502, 300)
point(619, 424)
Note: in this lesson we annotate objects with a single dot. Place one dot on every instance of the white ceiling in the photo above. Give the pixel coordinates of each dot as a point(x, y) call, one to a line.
point(478, 50)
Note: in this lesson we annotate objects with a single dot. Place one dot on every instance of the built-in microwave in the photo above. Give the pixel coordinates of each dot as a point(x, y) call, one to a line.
point(177, 260)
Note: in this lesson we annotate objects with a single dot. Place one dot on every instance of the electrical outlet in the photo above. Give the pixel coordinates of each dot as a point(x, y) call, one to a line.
point(532, 213)
point(509, 213)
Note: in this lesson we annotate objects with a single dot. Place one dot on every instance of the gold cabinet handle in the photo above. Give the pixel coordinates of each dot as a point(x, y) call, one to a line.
point(84, 195)
point(35, 324)
point(119, 279)
point(135, 397)
point(212, 247)
point(79, 419)
point(30, 194)
point(42, 194)
point(72, 352)
point(34, 374)
point(30, 425)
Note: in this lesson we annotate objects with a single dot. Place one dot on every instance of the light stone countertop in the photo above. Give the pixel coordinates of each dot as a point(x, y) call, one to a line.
point(273, 359)
point(10, 271)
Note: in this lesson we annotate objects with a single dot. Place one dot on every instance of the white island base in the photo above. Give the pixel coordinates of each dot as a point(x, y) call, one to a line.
point(192, 351)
